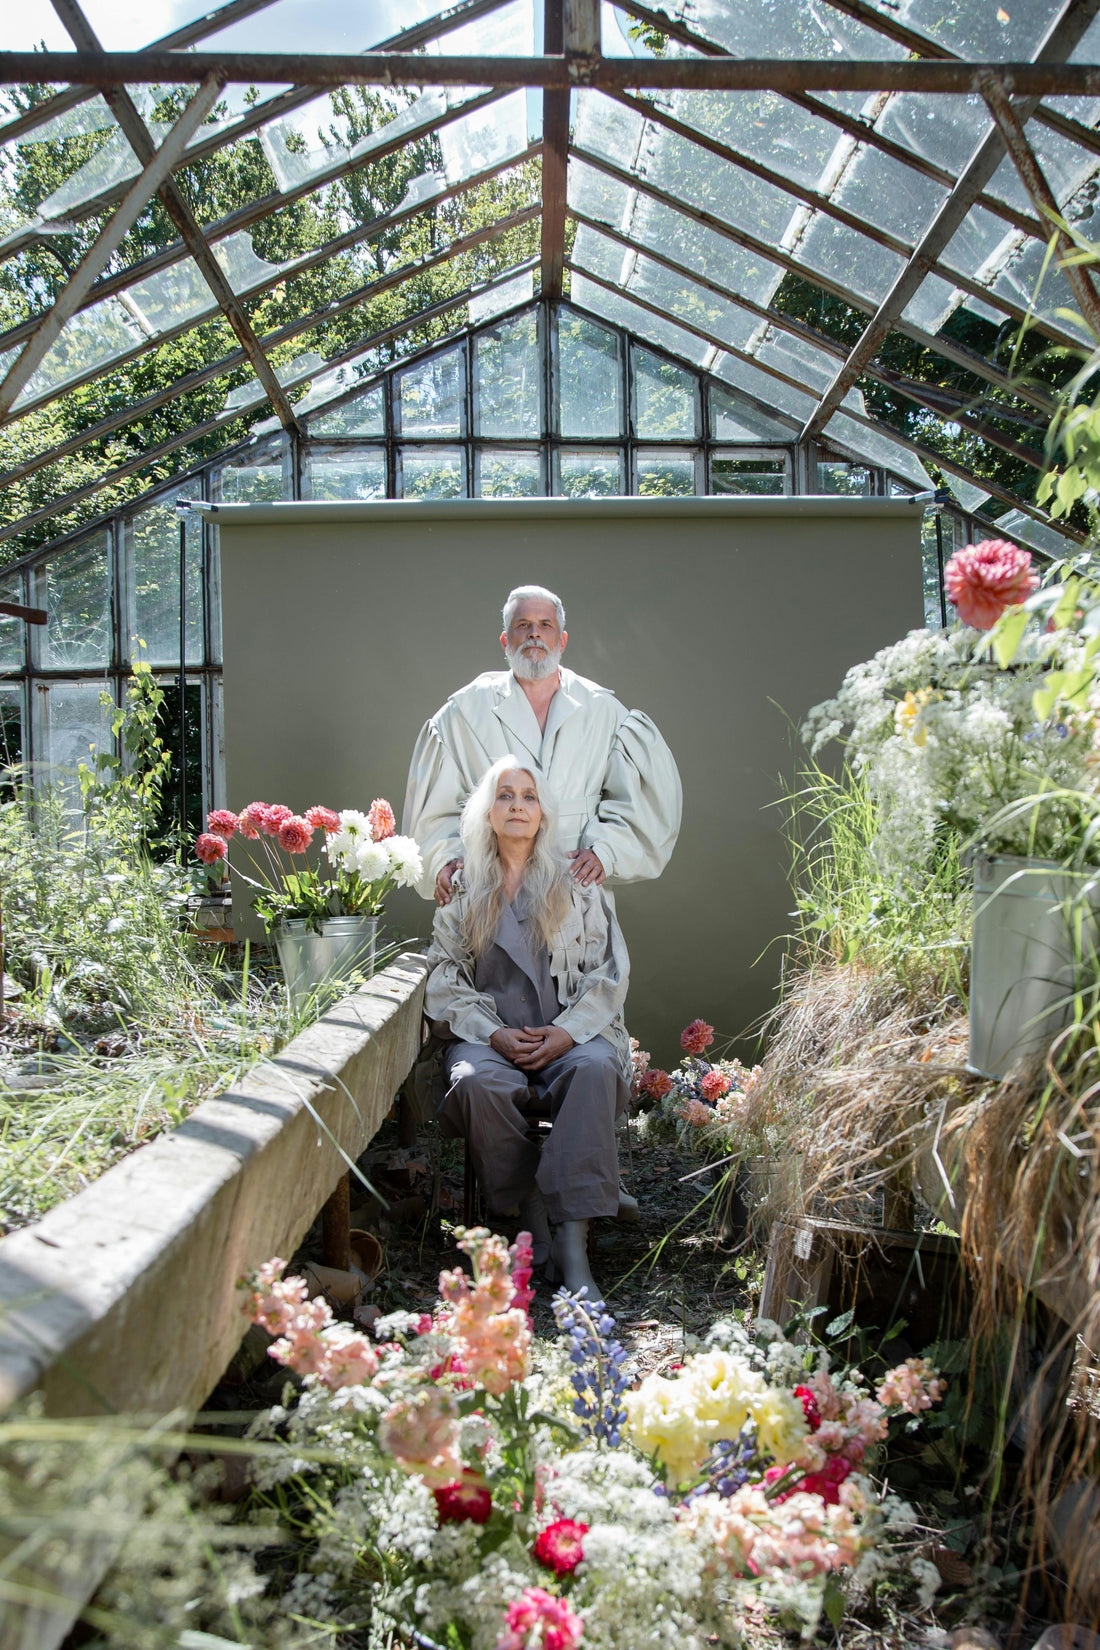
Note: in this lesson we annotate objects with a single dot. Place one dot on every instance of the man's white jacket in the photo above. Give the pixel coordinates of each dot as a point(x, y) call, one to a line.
point(611, 773)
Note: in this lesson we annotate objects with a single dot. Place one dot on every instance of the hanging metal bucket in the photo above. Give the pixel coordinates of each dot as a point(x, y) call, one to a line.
point(344, 946)
point(1035, 947)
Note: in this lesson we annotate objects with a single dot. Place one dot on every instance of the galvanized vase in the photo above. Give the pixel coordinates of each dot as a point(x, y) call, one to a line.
point(1035, 948)
point(311, 960)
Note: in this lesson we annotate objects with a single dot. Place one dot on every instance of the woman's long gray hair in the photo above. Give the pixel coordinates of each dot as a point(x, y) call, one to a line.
point(545, 881)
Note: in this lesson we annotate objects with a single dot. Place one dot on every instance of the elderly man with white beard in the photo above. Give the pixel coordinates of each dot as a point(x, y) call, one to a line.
point(615, 779)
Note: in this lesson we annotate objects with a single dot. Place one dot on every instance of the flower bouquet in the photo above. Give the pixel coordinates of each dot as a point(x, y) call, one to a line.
point(323, 916)
point(479, 1489)
point(705, 1099)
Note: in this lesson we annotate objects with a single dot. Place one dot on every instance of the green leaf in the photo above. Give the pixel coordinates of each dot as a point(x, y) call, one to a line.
point(841, 1325)
point(1007, 633)
point(834, 1600)
point(1067, 604)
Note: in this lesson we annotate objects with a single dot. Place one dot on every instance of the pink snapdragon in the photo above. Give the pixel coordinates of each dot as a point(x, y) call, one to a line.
point(252, 821)
point(539, 1621)
point(639, 1061)
point(380, 819)
point(309, 1342)
point(323, 819)
point(221, 822)
point(714, 1085)
point(914, 1385)
point(522, 1255)
point(984, 580)
point(421, 1432)
point(697, 1037)
point(210, 848)
point(295, 834)
point(492, 1334)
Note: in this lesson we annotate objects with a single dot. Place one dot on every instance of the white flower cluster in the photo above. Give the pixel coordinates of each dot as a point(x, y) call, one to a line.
point(353, 850)
point(946, 737)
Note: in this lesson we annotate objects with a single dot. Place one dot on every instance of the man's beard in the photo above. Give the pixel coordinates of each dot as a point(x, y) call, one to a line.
point(533, 667)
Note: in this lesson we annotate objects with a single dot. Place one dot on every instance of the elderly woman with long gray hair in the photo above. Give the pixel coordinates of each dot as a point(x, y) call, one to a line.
point(529, 975)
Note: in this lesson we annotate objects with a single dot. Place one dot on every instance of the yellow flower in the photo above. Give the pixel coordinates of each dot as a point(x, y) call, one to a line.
point(664, 1421)
point(907, 712)
point(781, 1428)
point(726, 1390)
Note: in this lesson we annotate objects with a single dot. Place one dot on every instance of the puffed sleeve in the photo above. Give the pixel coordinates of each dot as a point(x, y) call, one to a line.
point(604, 971)
point(433, 806)
point(638, 820)
point(450, 995)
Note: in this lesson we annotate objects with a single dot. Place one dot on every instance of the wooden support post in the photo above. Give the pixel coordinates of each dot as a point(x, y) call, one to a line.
point(336, 1225)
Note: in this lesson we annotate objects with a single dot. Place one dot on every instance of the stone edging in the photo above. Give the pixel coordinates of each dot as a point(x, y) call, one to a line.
point(123, 1297)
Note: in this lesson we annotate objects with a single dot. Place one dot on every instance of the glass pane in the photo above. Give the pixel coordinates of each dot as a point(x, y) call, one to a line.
point(590, 386)
point(501, 474)
point(878, 448)
point(152, 543)
point(71, 726)
point(851, 480)
point(748, 475)
point(74, 589)
point(594, 473)
point(13, 632)
point(666, 398)
point(430, 399)
point(431, 472)
point(360, 473)
point(665, 474)
point(734, 420)
point(484, 305)
point(264, 479)
point(508, 379)
point(11, 734)
point(364, 415)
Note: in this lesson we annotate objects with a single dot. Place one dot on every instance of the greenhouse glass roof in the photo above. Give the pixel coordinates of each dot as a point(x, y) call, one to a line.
point(842, 210)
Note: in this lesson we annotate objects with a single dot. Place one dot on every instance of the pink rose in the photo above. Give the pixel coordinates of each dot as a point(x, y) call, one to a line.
point(696, 1037)
point(560, 1546)
point(220, 822)
point(210, 848)
point(983, 580)
point(295, 834)
point(538, 1618)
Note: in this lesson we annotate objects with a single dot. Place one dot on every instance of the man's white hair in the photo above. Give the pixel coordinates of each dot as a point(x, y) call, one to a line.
point(532, 593)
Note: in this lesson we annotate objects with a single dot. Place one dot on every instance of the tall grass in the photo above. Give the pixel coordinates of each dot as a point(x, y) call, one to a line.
point(916, 928)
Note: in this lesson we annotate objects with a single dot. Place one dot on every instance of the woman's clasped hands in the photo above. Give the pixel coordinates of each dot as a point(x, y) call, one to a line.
point(533, 1047)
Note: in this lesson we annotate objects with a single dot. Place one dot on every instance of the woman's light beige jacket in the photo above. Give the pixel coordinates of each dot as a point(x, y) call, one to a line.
point(588, 961)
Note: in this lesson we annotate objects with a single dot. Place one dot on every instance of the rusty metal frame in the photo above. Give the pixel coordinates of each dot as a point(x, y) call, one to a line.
point(1061, 38)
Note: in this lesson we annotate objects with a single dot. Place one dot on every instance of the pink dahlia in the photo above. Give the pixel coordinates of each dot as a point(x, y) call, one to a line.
point(714, 1085)
point(560, 1545)
point(295, 834)
point(220, 822)
point(697, 1037)
point(210, 848)
point(274, 817)
point(466, 1501)
point(538, 1618)
point(983, 580)
point(380, 818)
point(656, 1083)
point(252, 820)
point(323, 819)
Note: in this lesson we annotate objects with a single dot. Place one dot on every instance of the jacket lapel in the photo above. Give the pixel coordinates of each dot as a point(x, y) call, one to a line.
point(515, 714)
point(562, 707)
point(510, 939)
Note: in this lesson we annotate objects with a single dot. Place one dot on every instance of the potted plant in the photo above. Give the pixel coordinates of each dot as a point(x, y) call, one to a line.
point(323, 913)
point(987, 734)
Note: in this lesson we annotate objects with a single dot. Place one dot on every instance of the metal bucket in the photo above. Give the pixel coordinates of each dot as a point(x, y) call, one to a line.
point(1035, 947)
point(311, 960)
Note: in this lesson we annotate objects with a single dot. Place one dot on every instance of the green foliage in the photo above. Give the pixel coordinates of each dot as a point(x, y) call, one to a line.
point(918, 928)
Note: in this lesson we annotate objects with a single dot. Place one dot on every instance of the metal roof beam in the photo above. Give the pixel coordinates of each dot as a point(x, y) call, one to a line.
point(555, 159)
point(363, 295)
point(200, 376)
point(72, 296)
point(380, 68)
point(1042, 198)
point(1063, 35)
point(268, 204)
point(137, 135)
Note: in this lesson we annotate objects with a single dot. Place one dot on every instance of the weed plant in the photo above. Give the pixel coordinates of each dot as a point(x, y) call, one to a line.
point(916, 929)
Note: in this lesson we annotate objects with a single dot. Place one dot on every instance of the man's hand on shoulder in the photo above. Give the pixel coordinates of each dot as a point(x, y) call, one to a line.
point(443, 881)
point(586, 867)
